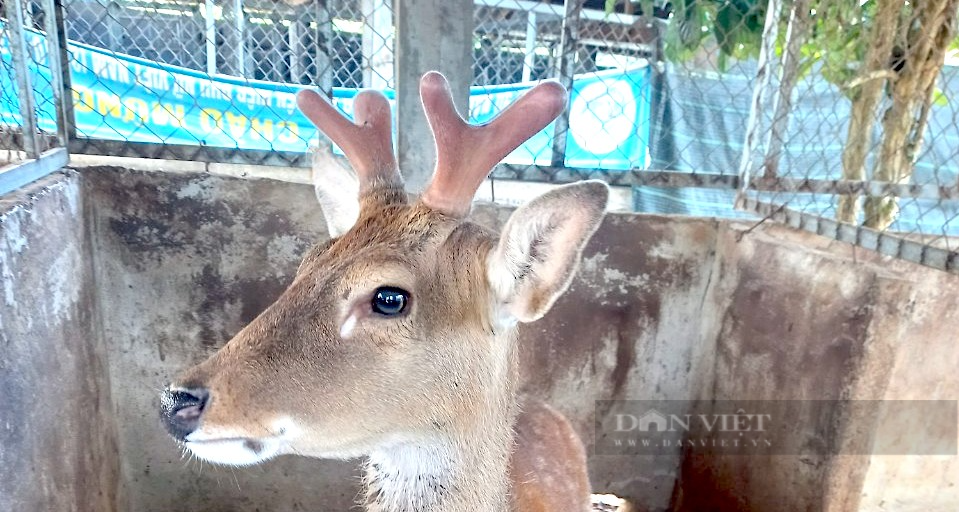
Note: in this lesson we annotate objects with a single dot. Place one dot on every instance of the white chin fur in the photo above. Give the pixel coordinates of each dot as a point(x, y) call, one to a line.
point(235, 451)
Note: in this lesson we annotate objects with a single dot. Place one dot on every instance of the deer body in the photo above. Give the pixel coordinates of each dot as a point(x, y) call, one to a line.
point(548, 469)
point(395, 341)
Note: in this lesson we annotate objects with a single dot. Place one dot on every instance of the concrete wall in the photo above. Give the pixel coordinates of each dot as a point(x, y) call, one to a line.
point(795, 317)
point(663, 308)
point(57, 438)
point(628, 328)
point(673, 308)
point(186, 261)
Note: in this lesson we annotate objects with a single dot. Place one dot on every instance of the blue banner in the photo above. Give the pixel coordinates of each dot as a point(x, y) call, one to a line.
point(125, 98)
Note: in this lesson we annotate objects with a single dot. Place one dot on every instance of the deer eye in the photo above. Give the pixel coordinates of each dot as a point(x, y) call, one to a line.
point(390, 301)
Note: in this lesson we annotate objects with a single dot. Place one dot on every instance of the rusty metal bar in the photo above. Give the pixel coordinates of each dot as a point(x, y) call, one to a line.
point(890, 244)
point(676, 179)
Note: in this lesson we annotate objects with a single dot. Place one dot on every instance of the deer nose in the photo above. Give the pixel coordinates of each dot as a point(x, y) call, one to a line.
point(181, 410)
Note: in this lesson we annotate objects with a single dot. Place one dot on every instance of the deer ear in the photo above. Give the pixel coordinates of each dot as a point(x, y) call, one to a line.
point(337, 190)
point(540, 248)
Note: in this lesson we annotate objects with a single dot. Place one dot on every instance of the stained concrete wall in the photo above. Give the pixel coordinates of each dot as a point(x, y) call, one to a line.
point(663, 308)
point(628, 328)
point(693, 309)
point(57, 437)
point(186, 260)
point(795, 317)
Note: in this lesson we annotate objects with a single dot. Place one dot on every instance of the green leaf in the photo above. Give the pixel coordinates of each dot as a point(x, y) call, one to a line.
point(691, 27)
point(805, 66)
point(727, 22)
point(939, 98)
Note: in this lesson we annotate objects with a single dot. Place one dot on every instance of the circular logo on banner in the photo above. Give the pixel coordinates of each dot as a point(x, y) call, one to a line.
point(603, 116)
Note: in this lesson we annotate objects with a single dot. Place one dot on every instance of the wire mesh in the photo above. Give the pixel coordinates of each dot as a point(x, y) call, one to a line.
point(697, 104)
point(146, 71)
point(11, 140)
point(193, 75)
point(756, 95)
point(28, 119)
point(659, 93)
point(602, 57)
point(861, 125)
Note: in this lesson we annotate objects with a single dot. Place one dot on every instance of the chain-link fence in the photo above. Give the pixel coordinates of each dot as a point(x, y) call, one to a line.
point(838, 117)
point(32, 97)
point(841, 117)
point(345, 43)
point(215, 80)
point(603, 57)
point(854, 125)
point(29, 92)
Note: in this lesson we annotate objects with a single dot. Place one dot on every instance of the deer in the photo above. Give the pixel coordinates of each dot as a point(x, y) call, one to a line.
point(395, 342)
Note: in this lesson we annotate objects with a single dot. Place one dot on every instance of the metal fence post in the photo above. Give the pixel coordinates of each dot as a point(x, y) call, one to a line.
point(564, 70)
point(529, 60)
point(295, 42)
point(19, 52)
point(62, 54)
point(430, 34)
point(239, 20)
point(322, 38)
point(210, 36)
point(114, 27)
point(377, 49)
point(59, 70)
point(322, 59)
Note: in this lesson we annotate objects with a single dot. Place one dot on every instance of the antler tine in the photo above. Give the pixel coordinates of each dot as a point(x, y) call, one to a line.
point(465, 153)
point(367, 141)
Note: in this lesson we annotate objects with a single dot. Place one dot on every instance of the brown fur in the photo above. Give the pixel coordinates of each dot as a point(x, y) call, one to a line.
point(548, 466)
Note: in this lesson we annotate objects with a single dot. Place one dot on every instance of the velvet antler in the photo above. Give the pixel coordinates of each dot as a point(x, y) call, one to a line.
point(465, 153)
point(367, 141)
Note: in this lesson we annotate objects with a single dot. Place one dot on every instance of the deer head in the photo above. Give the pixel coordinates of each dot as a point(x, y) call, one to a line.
point(398, 329)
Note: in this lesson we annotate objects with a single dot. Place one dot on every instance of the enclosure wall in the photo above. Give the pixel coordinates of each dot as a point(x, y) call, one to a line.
point(106, 306)
point(58, 446)
point(188, 260)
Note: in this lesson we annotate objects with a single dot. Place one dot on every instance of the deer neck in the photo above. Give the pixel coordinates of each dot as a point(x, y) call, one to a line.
point(464, 466)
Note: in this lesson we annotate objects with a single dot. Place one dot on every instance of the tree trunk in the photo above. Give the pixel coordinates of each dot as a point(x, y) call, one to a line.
point(904, 122)
point(879, 40)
